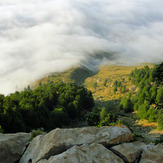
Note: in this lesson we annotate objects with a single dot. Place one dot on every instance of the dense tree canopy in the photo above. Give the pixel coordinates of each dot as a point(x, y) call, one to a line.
point(158, 72)
point(48, 106)
point(149, 99)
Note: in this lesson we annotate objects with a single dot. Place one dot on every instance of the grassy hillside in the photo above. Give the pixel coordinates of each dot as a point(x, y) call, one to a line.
point(101, 83)
point(105, 79)
point(75, 75)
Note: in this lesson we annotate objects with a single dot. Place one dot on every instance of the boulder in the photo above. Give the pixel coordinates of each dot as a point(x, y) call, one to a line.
point(12, 146)
point(153, 155)
point(59, 140)
point(130, 152)
point(93, 153)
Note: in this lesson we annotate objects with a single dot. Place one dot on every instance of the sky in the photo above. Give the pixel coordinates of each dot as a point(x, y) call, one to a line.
point(42, 36)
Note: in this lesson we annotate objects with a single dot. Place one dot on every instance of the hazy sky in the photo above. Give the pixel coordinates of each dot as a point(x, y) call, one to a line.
point(42, 36)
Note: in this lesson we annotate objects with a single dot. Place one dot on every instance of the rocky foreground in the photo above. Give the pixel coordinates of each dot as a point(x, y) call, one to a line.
point(78, 145)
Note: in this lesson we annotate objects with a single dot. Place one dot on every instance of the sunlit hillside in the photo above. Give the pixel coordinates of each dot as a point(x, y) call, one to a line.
point(102, 85)
point(100, 82)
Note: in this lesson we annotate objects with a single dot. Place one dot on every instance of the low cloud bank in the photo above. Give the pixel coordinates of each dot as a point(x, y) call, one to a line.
point(42, 36)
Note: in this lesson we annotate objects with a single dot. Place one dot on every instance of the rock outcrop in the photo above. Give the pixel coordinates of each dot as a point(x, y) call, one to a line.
point(129, 151)
point(12, 146)
point(79, 145)
point(93, 153)
point(59, 140)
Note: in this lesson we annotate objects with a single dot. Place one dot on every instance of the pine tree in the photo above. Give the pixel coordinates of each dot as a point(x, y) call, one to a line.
point(159, 97)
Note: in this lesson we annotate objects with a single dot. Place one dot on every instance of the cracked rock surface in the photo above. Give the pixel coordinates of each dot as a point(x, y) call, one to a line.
point(85, 153)
point(59, 140)
point(79, 145)
point(12, 146)
point(153, 155)
point(130, 151)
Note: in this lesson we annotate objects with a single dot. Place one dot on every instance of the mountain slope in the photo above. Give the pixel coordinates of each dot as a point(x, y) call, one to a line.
point(100, 82)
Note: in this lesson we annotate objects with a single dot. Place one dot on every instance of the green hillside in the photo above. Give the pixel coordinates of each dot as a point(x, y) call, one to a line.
point(76, 75)
point(102, 84)
point(129, 95)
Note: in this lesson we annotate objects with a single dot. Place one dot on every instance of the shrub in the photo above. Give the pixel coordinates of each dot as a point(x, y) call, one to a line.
point(95, 85)
point(159, 140)
point(124, 88)
point(106, 118)
point(35, 133)
point(126, 105)
point(136, 105)
point(105, 82)
point(160, 121)
point(115, 89)
point(158, 72)
point(159, 97)
point(1, 130)
point(119, 84)
point(152, 114)
point(142, 111)
point(58, 117)
point(93, 117)
point(116, 83)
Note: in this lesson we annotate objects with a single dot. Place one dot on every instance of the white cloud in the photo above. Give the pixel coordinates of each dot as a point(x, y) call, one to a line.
point(42, 36)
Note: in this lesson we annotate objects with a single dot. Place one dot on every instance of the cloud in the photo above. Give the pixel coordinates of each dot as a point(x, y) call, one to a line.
point(42, 36)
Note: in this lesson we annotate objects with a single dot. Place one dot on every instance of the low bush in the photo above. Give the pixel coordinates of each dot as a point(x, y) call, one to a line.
point(35, 133)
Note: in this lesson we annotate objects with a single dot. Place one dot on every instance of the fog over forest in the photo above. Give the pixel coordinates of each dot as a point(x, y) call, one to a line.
point(42, 36)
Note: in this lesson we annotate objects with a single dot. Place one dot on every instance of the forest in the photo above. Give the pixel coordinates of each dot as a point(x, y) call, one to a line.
point(148, 100)
point(58, 104)
point(49, 106)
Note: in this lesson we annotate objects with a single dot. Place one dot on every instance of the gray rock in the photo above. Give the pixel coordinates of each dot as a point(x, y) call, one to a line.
point(153, 155)
point(12, 146)
point(130, 151)
point(94, 153)
point(59, 140)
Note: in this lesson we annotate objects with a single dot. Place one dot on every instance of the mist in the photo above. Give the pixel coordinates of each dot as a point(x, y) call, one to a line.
point(42, 36)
